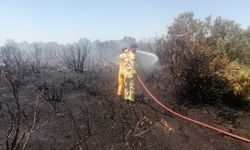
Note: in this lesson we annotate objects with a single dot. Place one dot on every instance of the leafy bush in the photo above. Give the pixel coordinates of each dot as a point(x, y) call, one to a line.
point(203, 56)
point(238, 78)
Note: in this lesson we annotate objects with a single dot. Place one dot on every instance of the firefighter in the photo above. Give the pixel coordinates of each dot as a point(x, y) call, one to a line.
point(129, 74)
point(120, 91)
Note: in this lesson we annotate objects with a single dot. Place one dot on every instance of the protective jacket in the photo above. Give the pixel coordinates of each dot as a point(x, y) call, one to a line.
point(129, 76)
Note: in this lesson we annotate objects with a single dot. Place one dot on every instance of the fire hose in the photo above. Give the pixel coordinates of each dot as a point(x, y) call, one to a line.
point(190, 119)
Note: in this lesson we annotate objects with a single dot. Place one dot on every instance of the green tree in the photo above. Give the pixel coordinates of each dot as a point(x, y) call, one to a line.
point(202, 58)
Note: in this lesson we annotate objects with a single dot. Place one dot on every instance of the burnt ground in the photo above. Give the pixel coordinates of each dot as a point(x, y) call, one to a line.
point(86, 113)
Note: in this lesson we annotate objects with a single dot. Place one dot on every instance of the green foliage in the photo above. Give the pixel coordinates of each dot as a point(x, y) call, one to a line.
point(207, 59)
point(236, 40)
point(238, 77)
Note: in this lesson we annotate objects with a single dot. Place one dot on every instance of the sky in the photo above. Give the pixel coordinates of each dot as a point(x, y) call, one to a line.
point(66, 21)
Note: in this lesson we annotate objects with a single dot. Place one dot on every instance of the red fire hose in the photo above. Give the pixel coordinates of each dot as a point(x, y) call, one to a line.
point(189, 119)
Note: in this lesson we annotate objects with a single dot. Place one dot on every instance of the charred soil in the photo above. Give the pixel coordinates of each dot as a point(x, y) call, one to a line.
point(87, 114)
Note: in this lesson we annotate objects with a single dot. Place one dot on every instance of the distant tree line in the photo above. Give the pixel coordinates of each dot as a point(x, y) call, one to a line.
point(71, 56)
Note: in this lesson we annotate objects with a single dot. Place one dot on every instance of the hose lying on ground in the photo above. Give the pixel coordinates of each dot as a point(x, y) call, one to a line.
point(189, 119)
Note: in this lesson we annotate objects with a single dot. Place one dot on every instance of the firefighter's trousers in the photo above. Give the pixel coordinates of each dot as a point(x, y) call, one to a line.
point(129, 90)
point(120, 91)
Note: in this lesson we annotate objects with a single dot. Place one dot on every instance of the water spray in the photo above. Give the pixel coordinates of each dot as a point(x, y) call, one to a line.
point(146, 59)
point(154, 57)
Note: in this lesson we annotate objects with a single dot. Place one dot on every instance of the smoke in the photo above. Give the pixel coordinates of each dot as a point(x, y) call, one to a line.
point(105, 52)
